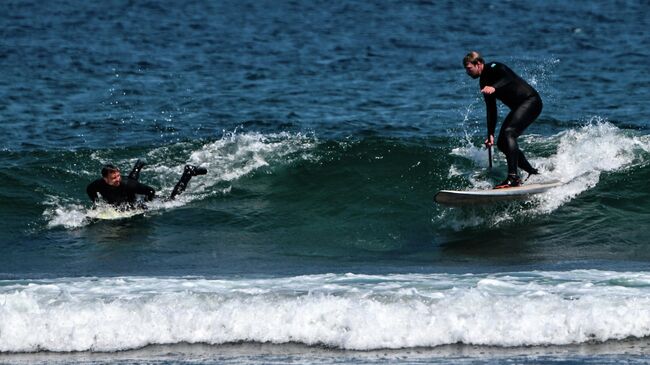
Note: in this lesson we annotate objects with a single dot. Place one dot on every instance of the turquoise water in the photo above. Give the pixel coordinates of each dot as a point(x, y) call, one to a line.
point(326, 128)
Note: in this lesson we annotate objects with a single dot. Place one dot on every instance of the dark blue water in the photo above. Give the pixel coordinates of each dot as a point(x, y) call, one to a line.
point(326, 128)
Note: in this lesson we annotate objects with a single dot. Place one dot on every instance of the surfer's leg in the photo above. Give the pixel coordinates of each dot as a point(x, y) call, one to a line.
point(514, 125)
point(530, 110)
point(135, 172)
point(523, 164)
point(507, 143)
point(188, 172)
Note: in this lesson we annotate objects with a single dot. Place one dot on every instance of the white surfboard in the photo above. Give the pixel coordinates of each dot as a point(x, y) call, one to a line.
point(460, 197)
point(110, 213)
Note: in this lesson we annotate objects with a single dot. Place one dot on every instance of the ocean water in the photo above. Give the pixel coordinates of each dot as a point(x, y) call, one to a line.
point(326, 128)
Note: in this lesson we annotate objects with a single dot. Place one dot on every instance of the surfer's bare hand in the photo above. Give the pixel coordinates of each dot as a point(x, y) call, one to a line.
point(488, 90)
point(489, 142)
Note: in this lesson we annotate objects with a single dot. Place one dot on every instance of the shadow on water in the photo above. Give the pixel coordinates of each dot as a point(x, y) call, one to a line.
point(498, 234)
point(113, 247)
point(501, 246)
point(128, 231)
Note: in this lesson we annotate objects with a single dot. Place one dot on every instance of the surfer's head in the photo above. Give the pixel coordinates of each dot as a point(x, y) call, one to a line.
point(111, 175)
point(473, 63)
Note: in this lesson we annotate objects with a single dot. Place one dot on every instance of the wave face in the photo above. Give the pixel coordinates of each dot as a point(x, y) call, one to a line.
point(384, 171)
point(348, 311)
point(357, 204)
point(376, 180)
point(227, 159)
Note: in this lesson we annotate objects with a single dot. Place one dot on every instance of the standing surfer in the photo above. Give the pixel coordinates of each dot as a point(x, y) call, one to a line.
point(497, 81)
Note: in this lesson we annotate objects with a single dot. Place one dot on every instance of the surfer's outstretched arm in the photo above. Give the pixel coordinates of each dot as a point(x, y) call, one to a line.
point(145, 190)
point(188, 173)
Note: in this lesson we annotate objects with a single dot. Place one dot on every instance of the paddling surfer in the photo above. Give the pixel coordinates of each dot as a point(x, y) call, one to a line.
point(115, 191)
point(497, 81)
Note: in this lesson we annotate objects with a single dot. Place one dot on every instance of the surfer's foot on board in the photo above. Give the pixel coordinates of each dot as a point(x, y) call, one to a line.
point(531, 173)
point(511, 181)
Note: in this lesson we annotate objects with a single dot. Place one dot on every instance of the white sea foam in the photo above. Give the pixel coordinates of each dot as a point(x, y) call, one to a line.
point(343, 311)
point(226, 159)
point(236, 155)
point(583, 155)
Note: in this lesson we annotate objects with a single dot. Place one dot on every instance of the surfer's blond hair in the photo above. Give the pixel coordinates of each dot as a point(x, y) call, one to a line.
point(473, 58)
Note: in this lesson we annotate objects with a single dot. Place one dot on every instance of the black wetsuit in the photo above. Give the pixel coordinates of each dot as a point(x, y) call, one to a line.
point(125, 194)
point(524, 103)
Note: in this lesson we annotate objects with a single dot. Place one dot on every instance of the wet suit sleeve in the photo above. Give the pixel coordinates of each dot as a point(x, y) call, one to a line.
point(138, 188)
point(92, 190)
point(491, 107)
point(500, 75)
point(147, 191)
